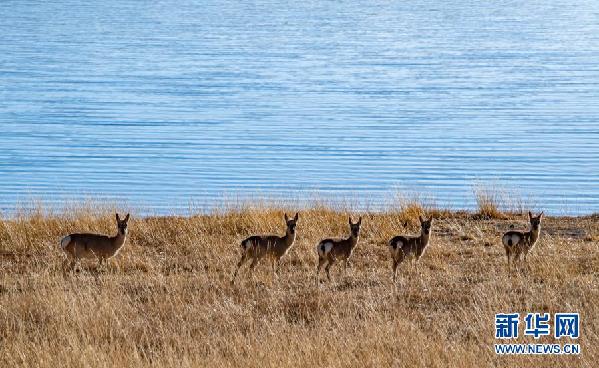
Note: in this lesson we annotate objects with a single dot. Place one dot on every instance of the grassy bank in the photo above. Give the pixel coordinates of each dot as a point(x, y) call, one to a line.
point(166, 299)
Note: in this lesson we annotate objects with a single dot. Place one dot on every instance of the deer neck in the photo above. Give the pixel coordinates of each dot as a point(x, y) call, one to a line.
point(118, 240)
point(424, 238)
point(534, 234)
point(288, 239)
point(353, 241)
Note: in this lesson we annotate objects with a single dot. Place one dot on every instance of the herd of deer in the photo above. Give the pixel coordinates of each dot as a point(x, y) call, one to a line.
point(517, 244)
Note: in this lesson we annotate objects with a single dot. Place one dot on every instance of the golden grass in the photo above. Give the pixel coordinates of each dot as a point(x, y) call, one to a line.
point(496, 202)
point(166, 299)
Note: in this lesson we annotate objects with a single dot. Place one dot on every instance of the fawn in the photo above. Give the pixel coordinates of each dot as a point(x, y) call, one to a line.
point(401, 247)
point(102, 247)
point(518, 243)
point(331, 250)
point(271, 246)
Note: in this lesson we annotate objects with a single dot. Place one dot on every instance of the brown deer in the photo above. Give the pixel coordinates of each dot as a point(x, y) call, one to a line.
point(102, 247)
point(402, 247)
point(273, 247)
point(333, 250)
point(519, 243)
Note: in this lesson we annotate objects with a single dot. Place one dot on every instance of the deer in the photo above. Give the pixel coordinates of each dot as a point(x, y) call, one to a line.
point(272, 247)
point(332, 250)
point(90, 246)
point(517, 244)
point(402, 247)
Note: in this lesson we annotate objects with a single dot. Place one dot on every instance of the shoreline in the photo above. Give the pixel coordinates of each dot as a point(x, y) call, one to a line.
point(405, 212)
point(493, 199)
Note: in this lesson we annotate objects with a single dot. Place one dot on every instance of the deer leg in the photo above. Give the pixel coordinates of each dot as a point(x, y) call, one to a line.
point(239, 264)
point(73, 265)
point(413, 264)
point(525, 265)
point(328, 267)
point(321, 262)
point(518, 260)
point(395, 264)
point(76, 265)
point(526, 259)
point(253, 265)
point(67, 264)
point(75, 258)
point(275, 268)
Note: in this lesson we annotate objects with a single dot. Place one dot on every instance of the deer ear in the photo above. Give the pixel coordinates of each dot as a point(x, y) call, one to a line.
point(541, 214)
point(296, 216)
point(286, 218)
point(431, 219)
point(530, 215)
point(127, 218)
point(421, 219)
point(360, 221)
point(117, 217)
point(350, 222)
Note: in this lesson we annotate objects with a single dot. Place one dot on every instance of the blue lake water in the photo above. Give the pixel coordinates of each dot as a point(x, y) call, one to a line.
point(168, 103)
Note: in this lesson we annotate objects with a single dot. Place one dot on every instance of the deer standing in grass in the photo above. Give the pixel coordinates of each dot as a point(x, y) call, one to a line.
point(102, 247)
point(273, 247)
point(402, 247)
point(331, 250)
point(519, 243)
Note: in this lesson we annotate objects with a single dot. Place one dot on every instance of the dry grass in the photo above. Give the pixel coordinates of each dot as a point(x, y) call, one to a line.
point(496, 202)
point(166, 299)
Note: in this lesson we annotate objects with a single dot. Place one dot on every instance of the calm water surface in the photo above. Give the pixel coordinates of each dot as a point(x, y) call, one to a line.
point(170, 102)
